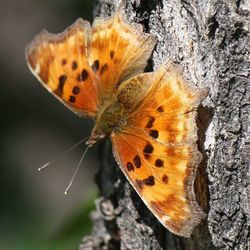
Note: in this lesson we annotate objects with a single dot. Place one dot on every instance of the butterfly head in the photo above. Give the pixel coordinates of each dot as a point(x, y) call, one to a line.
point(95, 137)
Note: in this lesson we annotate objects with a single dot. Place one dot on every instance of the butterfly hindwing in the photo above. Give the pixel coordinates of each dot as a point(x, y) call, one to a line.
point(161, 175)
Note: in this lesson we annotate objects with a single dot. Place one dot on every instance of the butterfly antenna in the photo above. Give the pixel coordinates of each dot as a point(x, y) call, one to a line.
point(59, 156)
point(77, 168)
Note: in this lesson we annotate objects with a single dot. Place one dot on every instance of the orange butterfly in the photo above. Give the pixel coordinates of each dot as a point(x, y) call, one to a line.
point(150, 117)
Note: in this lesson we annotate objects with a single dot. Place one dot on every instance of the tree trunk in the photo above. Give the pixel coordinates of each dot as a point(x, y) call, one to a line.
point(209, 40)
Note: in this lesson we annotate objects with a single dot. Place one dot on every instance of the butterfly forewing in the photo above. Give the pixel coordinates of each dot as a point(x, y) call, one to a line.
point(118, 51)
point(83, 66)
point(60, 62)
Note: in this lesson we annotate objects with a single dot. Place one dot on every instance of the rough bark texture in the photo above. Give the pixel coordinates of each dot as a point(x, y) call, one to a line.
point(210, 40)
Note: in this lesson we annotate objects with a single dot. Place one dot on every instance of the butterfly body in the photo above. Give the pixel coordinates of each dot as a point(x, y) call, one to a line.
point(109, 118)
point(150, 118)
point(114, 112)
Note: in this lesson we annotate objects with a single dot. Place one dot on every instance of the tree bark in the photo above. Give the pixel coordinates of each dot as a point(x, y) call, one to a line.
point(210, 40)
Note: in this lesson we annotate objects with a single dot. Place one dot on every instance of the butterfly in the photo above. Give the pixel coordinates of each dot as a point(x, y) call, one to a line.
point(150, 118)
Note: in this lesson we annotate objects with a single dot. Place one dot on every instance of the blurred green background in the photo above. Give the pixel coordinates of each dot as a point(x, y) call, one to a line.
point(35, 128)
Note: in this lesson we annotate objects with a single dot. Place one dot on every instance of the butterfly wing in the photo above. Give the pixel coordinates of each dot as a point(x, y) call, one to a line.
point(168, 110)
point(118, 51)
point(157, 150)
point(60, 63)
point(83, 66)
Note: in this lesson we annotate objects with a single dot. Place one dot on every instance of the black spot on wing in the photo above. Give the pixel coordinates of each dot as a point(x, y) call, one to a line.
point(150, 122)
point(130, 166)
point(165, 179)
point(72, 99)
point(83, 76)
point(95, 66)
point(137, 161)
point(61, 82)
point(111, 53)
point(148, 149)
point(76, 90)
point(104, 68)
point(149, 181)
point(160, 109)
point(154, 133)
point(159, 163)
point(64, 61)
point(74, 65)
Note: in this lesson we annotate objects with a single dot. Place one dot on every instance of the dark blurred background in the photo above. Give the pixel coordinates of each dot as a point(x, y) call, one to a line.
point(35, 128)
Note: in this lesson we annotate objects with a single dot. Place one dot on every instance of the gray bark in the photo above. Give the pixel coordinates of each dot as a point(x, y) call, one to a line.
point(210, 40)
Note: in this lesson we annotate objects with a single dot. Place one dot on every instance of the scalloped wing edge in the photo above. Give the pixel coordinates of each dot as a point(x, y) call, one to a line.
point(45, 36)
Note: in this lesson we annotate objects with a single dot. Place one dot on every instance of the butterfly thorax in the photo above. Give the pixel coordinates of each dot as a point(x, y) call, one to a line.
point(114, 112)
point(110, 118)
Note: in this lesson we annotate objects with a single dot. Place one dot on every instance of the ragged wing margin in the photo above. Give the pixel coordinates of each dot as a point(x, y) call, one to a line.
point(43, 39)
